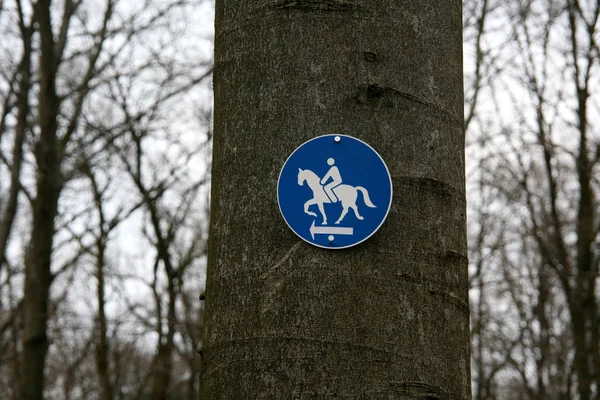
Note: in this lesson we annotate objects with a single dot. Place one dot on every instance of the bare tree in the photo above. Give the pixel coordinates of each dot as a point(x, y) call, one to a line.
point(165, 223)
point(63, 127)
point(545, 199)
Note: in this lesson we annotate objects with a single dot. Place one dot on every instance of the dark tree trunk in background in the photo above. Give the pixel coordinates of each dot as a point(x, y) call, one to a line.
point(48, 186)
point(385, 319)
point(102, 341)
point(102, 349)
point(163, 362)
point(50, 148)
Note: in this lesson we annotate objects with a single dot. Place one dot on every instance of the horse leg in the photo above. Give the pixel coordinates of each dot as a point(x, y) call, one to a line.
point(308, 204)
point(322, 209)
point(355, 209)
point(344, 212)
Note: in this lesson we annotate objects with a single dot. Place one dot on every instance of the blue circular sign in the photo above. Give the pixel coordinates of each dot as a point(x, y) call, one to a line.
point(334, 191)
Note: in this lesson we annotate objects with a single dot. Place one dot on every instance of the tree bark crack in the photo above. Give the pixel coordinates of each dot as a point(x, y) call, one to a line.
point(373, 94)
point(283, 259)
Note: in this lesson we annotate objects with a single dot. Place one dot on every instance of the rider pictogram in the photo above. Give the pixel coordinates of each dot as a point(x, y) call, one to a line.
point(336, 180)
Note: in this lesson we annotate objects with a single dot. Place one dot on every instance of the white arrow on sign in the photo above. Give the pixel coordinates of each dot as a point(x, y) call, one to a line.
point(329, 230)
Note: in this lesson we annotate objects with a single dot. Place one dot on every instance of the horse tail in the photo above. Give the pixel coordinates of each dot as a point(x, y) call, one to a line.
point(366, 196)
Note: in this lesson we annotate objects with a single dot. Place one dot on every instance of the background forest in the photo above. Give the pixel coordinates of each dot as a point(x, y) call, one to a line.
point(105, 155)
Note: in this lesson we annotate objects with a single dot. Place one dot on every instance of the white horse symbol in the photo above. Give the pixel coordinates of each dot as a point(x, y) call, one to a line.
point(345, 193)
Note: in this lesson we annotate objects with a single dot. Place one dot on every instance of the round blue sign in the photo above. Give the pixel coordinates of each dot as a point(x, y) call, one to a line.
point(334, 191)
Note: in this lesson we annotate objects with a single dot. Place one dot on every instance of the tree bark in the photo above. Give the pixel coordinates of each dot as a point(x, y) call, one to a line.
point(390, 317)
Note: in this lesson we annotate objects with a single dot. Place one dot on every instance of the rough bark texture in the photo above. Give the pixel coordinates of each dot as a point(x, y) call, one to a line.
point(385, 319)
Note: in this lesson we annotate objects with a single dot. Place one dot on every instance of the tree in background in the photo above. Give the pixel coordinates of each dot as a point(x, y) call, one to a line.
point(535, 230)
point(83, 84)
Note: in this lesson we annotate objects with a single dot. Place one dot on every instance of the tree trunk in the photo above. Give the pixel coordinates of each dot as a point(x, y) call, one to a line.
point(102, 347)
point(164, 358)
point(584, 313)
point(390, 317)
point(582, 356)
point(102, 350)
point(49, 183)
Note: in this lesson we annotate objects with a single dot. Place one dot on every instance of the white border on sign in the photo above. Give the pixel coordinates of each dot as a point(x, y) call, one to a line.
point(386, 212)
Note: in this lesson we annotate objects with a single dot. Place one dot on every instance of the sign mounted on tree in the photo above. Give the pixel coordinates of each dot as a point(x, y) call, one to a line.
point(334, 191)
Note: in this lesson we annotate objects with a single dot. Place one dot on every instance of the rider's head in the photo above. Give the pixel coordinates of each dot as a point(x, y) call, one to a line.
point(330, 161)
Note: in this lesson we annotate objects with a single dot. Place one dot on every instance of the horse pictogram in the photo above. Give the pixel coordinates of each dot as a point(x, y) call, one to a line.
point(346, 194)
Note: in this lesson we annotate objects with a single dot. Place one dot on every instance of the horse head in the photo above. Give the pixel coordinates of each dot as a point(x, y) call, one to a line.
point(301, 176)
